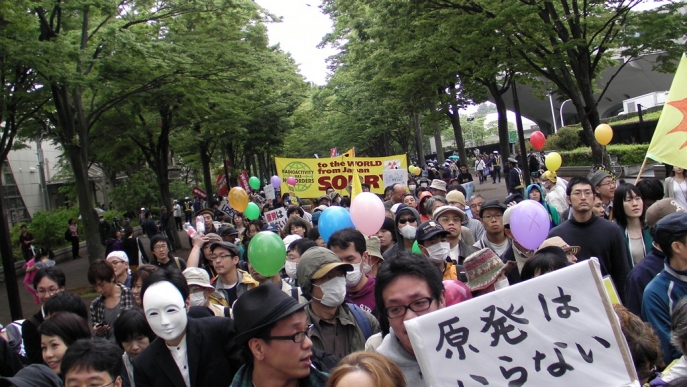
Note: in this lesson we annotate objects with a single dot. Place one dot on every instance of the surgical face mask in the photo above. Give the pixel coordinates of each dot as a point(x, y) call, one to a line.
point(408, 232)
point(353, 277)
point(501, 284)
point(333, 292)
point(439, 251)
point(412, 187)
point(290, 268)
point(198, 299)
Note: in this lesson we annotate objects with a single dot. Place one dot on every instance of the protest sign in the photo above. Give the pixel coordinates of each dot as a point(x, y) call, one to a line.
point(313, 176)
point(196, 191)
point(269, 192)
point(226, 208)
point(558, 329)
point(395, 176)
point(243, 181)
point(276, 217)
point(469, 189)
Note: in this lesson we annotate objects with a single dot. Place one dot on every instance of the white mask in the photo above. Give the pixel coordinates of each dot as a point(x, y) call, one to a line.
point(412, 187)
point(198, 299)
point(290, 268)
point(334, 292)
point(353, 277)
point(408, 232)
point(501, 284)
point(439, 251)
point(165, 310)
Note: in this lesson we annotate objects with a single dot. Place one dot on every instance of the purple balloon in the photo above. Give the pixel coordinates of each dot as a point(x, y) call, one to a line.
point(530, 223)
point(276, 182)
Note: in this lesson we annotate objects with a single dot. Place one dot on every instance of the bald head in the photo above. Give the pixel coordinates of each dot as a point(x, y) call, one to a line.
point(398, 192)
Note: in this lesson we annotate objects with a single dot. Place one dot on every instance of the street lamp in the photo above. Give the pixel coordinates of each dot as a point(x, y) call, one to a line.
point(562, 118)
point(553, 113)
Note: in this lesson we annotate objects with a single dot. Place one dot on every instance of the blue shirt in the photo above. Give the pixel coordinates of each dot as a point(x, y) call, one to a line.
point(639, 278)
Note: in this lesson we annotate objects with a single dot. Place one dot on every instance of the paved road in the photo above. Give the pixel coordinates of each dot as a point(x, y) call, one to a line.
point(75, 270)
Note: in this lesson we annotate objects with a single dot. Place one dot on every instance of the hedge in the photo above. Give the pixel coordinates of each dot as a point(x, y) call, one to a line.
point(628, 154)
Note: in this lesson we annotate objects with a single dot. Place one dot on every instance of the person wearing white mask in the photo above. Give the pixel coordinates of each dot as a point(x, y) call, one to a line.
point(431, 239)
point(201, 291)
point(406, 220)
point(338, 328)
point(188, 352)
point(293, 255)
point(350, 246)
point(451, 219)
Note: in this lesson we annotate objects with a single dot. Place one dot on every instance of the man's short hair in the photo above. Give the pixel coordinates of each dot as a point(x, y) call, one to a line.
point(174, 277)
point(160, 238)
point(651, 189)
point(95, 354)
point(66, 302)
point(52, 273)
point(343, 239)
point(406, 263)
point(301, 245)
point(130, 325)
point(578, 181)
point(456, 187)
point(100, 270)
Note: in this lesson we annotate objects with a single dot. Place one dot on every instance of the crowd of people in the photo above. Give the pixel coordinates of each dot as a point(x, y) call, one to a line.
point(334, 315)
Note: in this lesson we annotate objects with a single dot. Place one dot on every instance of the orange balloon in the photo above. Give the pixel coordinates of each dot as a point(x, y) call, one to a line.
point(238, 199)
point(603, 134)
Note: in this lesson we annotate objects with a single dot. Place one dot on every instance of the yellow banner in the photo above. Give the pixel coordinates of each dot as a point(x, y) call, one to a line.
point(313, 176)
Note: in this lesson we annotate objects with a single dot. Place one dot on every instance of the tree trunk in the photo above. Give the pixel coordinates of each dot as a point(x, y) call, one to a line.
point(437, 143)
point(418, 138)
point(454, 117)
point(203, 147)
point(502, 120)
point(8, 258)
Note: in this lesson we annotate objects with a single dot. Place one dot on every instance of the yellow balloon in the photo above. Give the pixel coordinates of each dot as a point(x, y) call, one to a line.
point(418, 171)
point(603, 134)
point(411, 169)
point(553, 161)
point(238, 199)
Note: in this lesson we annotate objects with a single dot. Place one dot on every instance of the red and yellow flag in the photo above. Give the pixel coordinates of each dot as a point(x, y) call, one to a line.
point(669, 143)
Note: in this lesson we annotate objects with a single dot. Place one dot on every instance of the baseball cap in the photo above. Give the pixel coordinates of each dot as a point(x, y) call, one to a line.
point(429, 229)
point(228, 230)
point(198, 277)
point(491, 204)
point(661, 209)
point(668, 227)
point(444, 209)
point(506, 216)
point(226, 245)
point(315, 263)
point(374, 247)
point(290, 239)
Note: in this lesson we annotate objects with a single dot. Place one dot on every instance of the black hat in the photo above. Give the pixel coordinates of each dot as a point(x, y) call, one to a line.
point(206, 211)
point(492, 204)
point(428, 230)
point(260, 307)
point(672, 225)
point(226, 245)
point(227, 231)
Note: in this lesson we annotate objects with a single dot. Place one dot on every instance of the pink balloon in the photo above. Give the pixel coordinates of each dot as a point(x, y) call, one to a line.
point(291, 180)
point(367, 213)
point(530, 223)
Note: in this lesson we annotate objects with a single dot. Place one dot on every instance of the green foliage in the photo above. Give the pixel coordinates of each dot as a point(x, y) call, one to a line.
point(179, 190)
point(628, 154)
point(567, 138)
point(47, 227)
point(139, 190)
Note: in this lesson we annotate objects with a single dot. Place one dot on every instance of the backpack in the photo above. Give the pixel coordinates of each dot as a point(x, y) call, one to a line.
point(361, 320)
point(14, 337)
point(67, 235)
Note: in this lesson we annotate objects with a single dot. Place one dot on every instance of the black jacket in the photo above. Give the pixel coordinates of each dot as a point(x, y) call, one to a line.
point(213, 357)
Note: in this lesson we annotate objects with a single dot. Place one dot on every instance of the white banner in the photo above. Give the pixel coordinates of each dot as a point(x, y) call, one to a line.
point(269, 191)
point(226, 208)
point(393, 176)
point(276, 217)
point(558, 329)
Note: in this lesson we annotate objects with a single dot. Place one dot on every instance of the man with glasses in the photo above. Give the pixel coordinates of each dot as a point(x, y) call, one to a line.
point(451, 218)
point(407, 219)
point(495, 238)
point(596, 237)
point(231, 281)
point(89, 363)
point(120, 262)
point(162, 256)
point(274, 331)
point(605, 186)
point(407, 286)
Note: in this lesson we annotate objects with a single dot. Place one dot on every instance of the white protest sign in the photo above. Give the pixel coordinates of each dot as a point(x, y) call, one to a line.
point(225, 207)
point(393, 176)
point(558, 329)
point(269, 191)
point(276, 217)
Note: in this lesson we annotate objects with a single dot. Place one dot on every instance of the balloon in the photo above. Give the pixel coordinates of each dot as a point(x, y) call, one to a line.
point(291, 180)
point(254, 182)
point(267, 253)
point(252, 211)
point(530, 223)
point(332, 220)
point(603, 134)
point(238, 199)
point(416, 248)
point(418, 171)
point(538, 140)
point(367, 213)
point(553, 161)
point(276, 182)
point(411, 169)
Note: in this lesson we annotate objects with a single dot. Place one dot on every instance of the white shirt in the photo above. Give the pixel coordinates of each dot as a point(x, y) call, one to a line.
point(179, 353)
point(680, 193)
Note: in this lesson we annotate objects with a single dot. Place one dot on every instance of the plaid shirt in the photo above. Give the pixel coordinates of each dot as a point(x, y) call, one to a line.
point(126, 301)
point(244, 378)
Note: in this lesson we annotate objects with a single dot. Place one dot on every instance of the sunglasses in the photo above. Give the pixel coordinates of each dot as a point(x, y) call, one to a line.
point(406, 220)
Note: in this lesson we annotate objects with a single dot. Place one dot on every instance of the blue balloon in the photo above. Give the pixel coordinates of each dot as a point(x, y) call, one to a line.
point(332, 220)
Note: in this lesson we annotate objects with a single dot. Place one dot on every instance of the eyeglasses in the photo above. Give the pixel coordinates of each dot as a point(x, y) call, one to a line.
point(582, 193)
point(605, 184)
point(406, 220)
point(490, 217)
point(160, 247)
point(416, 306)
point(50, 291)
point(453, 219)
point(115, 262)
point(215, 257)
point(91, 385)
point(297, 337)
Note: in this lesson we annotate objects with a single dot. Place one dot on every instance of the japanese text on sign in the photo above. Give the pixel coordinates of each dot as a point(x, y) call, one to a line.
point(276, 217)
point(558, 328)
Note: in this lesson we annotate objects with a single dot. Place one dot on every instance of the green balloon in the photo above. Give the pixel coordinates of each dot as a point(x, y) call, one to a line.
point(252, 211)
point(267, 253)
point(254, 182)
point(416, 249)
